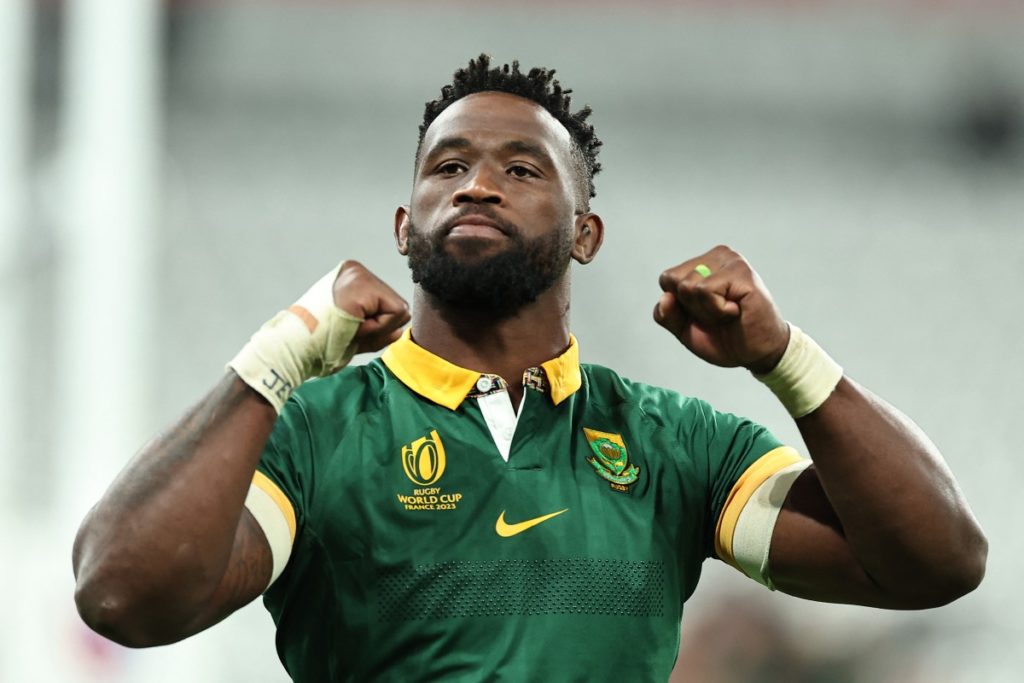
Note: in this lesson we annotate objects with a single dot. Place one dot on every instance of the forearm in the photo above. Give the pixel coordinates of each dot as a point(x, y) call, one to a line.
point(879, 520)
point(901, 511)
point(169, 549)
point(158, 542)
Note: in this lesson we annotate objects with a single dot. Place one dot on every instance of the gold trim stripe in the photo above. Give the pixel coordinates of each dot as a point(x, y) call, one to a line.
point(448, 384)
point(755, 475)
point(428, 375)
point(564, 373)
point(267, 485)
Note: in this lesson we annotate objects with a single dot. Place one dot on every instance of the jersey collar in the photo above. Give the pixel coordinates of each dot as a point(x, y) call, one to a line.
point(447, 384)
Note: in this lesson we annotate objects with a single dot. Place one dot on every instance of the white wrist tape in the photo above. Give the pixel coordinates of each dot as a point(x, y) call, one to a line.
point(805, 376)
point(312, 338)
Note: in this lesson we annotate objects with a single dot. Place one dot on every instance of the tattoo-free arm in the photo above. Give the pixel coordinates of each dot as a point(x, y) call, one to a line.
point(878, 519)
point(169, 549)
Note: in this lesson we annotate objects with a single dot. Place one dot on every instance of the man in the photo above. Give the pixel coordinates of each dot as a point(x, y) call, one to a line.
point(478, 505)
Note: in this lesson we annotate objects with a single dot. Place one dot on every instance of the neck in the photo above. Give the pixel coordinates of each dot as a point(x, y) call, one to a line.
point(506, 346)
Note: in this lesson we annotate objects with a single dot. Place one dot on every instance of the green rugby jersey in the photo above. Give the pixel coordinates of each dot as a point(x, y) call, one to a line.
point(419, 552)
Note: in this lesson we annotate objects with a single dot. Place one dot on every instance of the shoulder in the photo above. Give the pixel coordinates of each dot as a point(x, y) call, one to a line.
point(661, 405)
point(323, 410)
point(351, 390)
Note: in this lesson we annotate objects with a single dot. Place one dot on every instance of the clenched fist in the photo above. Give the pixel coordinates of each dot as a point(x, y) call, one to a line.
point(347, 311)
point(727, 317)
point(362, 294)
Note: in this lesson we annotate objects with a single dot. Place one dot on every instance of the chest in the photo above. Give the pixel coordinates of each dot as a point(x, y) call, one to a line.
point(418, 484)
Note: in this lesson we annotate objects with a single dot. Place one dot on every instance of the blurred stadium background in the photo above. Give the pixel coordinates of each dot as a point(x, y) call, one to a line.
point(173, 173)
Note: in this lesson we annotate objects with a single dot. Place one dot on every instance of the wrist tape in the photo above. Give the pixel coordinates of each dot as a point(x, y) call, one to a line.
point(805, 376)
point(312, 338)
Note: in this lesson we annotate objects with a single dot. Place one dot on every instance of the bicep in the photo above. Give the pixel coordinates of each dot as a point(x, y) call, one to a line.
point(245, 578)
point(809, 555)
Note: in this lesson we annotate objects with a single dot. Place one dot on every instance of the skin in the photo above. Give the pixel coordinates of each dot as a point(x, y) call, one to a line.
point(169, 549)
point(878, 519)
point(517, 163)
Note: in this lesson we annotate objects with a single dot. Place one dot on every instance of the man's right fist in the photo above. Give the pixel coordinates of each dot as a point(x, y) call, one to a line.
point(362, 294)
point(349, 310)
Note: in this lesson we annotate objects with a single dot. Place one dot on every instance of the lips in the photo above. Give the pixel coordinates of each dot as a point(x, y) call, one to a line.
point(476, 225)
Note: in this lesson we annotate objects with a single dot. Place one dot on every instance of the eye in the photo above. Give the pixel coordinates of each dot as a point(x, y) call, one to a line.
point(450, 168)
point(520, 171)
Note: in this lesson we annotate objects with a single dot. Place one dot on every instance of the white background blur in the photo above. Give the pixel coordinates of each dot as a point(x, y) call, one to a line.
point(173, 174)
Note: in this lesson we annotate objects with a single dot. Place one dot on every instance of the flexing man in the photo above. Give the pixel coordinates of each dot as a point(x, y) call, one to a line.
point(477, 504)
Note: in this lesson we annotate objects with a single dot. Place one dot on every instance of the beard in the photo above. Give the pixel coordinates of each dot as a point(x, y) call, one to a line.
point(494, 286)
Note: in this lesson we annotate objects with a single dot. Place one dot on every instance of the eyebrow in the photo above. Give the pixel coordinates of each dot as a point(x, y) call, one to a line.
point(515, 146)
point(449, 143)
point(530, 149)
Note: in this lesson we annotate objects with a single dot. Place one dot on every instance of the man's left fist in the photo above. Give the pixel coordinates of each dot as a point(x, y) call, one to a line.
point(719, 308)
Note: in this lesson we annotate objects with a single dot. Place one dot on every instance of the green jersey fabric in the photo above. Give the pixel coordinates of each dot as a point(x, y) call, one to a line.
point(398, 570)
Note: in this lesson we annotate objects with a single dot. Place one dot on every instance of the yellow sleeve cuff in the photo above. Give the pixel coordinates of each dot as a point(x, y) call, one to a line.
point(741, 493)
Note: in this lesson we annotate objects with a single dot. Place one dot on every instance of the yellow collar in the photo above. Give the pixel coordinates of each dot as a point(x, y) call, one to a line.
point(442, 382)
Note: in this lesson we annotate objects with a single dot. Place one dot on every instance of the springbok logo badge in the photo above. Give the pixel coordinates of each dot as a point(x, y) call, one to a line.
point(423, 459)
point(610, 460)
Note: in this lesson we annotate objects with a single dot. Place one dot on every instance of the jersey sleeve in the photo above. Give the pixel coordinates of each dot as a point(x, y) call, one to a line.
point(279, 492)
point(749, 472)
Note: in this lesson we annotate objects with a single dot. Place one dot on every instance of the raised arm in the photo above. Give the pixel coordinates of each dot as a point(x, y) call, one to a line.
point(167, 551)
point(878, 519)
point(170, 549)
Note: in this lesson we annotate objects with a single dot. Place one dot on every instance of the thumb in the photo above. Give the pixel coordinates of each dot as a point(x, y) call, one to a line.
point(383, 323)
point(377, 332)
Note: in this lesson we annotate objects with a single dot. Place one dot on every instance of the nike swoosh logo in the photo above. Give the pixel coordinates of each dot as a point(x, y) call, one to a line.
point(505, 529)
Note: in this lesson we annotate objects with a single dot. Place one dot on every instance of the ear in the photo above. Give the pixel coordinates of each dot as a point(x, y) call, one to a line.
point(589, 236)
point(402, 230)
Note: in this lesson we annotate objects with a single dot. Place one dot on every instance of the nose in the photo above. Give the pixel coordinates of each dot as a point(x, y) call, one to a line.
point(481, 187)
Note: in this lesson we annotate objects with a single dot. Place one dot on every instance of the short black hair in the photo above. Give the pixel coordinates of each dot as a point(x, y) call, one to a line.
point(538, 85)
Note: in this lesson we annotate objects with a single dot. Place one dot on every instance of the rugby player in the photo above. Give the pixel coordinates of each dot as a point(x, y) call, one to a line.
point(477, 504)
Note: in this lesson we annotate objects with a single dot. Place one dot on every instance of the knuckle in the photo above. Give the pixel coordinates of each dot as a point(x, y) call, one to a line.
point(688, 285)
point(667, 278)
point(740, 260)
point(740, 269)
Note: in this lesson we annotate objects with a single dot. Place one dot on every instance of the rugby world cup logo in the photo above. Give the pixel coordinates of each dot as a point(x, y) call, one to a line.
point(423, 459)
